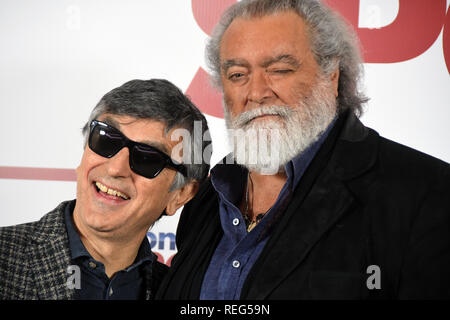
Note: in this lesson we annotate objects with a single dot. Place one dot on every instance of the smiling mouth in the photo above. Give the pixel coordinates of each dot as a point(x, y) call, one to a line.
point(104, 189)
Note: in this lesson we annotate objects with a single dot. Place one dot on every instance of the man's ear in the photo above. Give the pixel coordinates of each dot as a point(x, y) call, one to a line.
point(181, 196)
point(334, 78)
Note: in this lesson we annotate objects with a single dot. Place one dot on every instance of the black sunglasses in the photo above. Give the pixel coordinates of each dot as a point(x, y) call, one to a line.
point(145, 160)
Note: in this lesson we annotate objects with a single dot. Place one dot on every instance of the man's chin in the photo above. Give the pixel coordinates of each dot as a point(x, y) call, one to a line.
point(102, 224)
point(105, 231)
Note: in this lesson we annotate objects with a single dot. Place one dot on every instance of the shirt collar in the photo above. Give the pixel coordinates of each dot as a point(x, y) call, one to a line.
point(77, 248)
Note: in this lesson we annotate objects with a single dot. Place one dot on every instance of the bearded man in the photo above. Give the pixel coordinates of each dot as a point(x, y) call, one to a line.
point(315, 204)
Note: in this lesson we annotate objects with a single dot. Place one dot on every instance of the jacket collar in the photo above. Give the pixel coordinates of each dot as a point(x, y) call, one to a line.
point(356, 149)
point(50, 256)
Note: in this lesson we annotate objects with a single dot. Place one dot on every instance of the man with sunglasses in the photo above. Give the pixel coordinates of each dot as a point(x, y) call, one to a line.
point(95, 247)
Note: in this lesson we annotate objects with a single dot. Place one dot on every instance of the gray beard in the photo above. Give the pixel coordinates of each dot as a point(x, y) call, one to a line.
point(265, 146)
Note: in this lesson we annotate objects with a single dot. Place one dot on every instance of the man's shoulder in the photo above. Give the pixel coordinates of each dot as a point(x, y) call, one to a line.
point(15, 237)
point(400, 160)
point(159, 270)
point(34, 255)
point(200, 212)
point(206, 193)
point(204, 201)
point(378, 166)
point(361, 147)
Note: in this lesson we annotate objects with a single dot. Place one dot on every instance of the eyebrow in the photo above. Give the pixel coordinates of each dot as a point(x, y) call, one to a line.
point(227, 64)
point(285, 58)
point(154, 144)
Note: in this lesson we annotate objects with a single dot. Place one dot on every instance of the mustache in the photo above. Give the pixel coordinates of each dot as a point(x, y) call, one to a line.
point(246, 117)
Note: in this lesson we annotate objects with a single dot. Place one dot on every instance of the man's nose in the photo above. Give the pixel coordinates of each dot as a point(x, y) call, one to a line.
point(260, 91)
point(119, 164)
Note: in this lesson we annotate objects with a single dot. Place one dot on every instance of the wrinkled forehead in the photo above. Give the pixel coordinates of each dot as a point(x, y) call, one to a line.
point(278, 31)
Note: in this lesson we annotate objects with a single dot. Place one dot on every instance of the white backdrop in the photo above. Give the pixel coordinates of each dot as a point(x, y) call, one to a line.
point(58, 57)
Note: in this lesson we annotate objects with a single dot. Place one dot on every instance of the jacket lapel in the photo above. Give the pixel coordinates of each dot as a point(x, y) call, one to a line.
point(50, 256)
point(325, 204)
point(320, 200)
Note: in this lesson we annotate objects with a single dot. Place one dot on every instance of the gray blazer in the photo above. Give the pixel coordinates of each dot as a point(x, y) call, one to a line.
point(34, 258)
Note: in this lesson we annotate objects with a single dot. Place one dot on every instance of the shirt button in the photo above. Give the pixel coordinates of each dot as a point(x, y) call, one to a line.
point(110, 292)
point(92, 264)
point(236, 264)
point(235, 221)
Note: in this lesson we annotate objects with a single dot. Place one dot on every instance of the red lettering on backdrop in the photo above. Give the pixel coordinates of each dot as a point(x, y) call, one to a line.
point(446, 40)
point(207, 12)
point(414, 30)
point(206, 98)
point(160, 257)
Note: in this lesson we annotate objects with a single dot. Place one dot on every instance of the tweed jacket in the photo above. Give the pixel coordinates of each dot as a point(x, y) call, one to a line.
point(34, 258)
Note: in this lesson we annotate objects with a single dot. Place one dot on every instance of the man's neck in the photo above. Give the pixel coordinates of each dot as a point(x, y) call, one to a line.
point(116, 253)
point(263, 191)
point(115, 256)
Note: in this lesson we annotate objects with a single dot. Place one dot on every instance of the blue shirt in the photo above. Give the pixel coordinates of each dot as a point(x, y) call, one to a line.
point(238, 249)
point(127, 284)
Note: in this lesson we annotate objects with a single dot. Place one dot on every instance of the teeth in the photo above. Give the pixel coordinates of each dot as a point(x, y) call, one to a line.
point(101, 187)
point(112, 192)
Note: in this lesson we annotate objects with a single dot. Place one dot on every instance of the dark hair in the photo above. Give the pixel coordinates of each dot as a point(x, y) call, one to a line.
point(159, 100)
point(332, 42)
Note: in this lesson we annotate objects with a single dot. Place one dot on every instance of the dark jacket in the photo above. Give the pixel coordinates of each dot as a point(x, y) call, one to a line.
point(364, 203)
point(34, 258)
